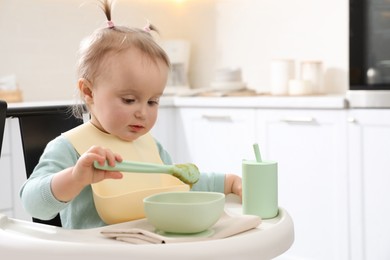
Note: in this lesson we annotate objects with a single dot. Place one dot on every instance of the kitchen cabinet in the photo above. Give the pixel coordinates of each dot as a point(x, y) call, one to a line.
point(217, 139)
point(369, 171)
point(164, 130)
point(12, 173)
point(310, 148)
point(18, 169)
point(5, 175)
point(5, 180)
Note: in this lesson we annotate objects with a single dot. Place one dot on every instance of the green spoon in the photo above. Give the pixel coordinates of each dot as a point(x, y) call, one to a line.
point(187, 173)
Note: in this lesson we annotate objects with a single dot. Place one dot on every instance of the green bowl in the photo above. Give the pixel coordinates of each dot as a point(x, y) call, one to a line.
point(184, 212)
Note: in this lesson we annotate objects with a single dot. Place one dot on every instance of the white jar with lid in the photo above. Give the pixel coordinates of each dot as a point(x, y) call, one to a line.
point(298, 87)
point(312, 71)
point(282, 70)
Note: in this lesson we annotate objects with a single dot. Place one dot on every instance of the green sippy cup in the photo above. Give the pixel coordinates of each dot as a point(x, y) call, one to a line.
point(260, 187)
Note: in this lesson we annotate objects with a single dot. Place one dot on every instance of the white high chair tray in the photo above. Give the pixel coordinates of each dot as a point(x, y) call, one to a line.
point(37, 241)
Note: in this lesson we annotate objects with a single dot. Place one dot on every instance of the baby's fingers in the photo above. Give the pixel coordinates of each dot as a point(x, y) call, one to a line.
point(113, 158)
point(105, 155)
point(113, 175)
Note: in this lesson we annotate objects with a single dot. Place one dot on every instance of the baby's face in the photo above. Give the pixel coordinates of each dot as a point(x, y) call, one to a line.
point(126, 94)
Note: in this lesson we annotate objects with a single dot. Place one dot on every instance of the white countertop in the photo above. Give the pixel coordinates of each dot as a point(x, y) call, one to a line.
point(312, 102)
point(302, 102)
point(41, 103)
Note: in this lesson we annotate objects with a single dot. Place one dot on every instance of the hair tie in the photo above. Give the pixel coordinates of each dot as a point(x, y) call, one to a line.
point(110, 24)
point(147, 27)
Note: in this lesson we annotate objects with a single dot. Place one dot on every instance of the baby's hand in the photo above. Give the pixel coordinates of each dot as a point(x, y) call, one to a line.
point(85, 173)
point(233, 184)
point(68, 183)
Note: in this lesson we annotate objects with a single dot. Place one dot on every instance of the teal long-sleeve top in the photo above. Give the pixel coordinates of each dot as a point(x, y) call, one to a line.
point(79, 213)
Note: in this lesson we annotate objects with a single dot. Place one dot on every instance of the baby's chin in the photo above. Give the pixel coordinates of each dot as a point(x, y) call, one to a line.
point(130, 136)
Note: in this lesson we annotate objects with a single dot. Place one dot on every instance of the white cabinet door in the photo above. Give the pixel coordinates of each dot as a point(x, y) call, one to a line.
point(5, 183)
point(18, 168)
point(310, 148)
point(216, 140)
point(369, 170)
point(164, 129)
point(6, 173)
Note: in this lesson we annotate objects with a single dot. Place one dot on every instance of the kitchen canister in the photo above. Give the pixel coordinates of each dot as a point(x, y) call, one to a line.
point(311, 71)
point(260, 188)
point(298, 87)
point(282, 70)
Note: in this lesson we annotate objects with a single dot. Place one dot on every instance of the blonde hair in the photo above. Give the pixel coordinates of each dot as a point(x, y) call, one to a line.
point(114, 39)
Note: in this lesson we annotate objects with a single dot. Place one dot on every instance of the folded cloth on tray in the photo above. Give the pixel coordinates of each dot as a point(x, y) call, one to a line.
point(141, 232)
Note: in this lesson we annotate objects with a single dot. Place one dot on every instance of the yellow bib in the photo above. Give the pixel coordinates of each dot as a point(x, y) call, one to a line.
point(121, 200)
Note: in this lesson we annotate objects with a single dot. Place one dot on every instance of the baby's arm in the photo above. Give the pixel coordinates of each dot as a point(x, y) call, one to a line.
point(68, 183)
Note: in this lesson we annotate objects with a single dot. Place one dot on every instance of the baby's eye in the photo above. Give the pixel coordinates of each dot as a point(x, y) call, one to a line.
point(153, 102)
point(128, 100)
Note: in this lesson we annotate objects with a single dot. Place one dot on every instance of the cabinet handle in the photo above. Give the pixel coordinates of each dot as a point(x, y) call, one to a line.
point(217, 118)
point(299, 120)
point(351, 120)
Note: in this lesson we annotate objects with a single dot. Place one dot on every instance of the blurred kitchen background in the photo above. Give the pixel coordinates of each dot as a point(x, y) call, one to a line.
point(40, 38)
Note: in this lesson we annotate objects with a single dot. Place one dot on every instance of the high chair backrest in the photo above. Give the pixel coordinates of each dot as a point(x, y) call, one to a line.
point(39, 125)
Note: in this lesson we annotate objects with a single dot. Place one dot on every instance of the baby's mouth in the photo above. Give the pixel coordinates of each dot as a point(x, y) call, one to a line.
point(136, 128)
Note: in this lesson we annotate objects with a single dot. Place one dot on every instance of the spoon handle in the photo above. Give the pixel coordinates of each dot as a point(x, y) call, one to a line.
point(131, 166)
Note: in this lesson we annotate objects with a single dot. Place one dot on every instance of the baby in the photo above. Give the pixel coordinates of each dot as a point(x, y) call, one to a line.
point(122, 75)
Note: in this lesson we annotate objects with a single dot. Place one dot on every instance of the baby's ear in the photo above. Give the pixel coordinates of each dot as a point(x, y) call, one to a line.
point(85, 88)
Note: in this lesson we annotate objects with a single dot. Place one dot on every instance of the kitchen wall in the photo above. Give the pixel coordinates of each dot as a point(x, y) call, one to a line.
point(39, 38)
point(253, 32)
